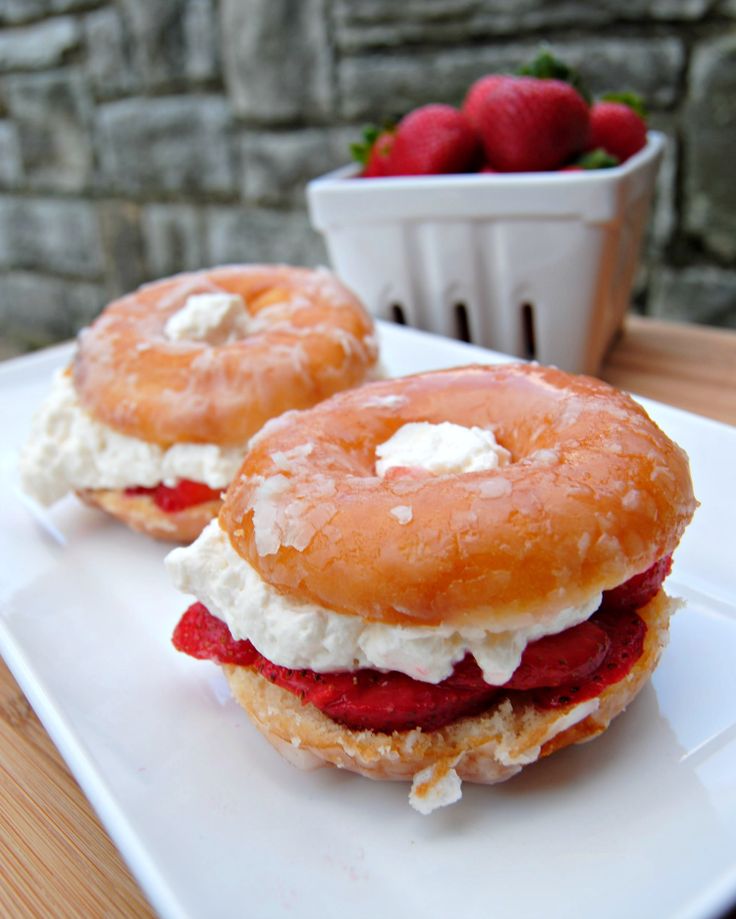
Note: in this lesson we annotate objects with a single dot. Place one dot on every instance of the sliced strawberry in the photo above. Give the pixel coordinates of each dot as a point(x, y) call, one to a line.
point(370, 700)
point(202, 635)
point(556, 659)
point(616, 128)
point(179, 497)
point(639, 590)
point(530, 125)
point(433, 140)
point(626, 632)
point(377, 701)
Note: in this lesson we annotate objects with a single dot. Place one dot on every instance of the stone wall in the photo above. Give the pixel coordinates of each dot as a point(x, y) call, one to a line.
point(142, 137)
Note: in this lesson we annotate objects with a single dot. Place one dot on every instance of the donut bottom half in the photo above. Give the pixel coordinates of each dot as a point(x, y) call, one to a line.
point(486, 748)
point(141, 513)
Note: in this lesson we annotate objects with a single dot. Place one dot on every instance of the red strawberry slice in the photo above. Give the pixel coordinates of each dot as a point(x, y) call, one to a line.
point(639, 590)
point(368, 699)
point(616, 128)
point(202, 635)
point(173, 498)
point(433, 140)
point(556, 659)
point(626, 632)
point(529, 125)
point(555, 671)
point(472, 104)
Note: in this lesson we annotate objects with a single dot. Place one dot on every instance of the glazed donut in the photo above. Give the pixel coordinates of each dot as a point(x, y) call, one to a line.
point(170, 382)
point(309, 337)
point(444, 576)
point(594, 494)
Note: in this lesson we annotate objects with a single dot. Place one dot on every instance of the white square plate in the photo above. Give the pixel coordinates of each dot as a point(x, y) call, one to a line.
point(640, 823)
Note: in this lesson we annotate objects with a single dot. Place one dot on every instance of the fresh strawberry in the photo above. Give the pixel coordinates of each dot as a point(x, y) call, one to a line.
point(545, 66)
point(594, 159)
point(373, 151)
point(617, 128)
point(531, 125)
point(477, 92)
point(378, 164)
point(433, 140)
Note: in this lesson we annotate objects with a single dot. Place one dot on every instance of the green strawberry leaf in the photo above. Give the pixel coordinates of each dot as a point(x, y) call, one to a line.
point(633, 100)
point(546, 66)
point(361, 150)
point(597, 159)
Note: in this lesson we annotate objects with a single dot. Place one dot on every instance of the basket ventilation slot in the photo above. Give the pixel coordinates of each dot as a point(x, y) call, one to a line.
point(528, 338)
point(462, 323)
point(397, 314)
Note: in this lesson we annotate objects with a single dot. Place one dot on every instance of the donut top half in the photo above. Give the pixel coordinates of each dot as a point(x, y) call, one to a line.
point(593, 493)
point(283, 338)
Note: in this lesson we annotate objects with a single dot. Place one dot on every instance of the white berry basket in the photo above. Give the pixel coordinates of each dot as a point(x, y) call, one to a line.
point(539, 265)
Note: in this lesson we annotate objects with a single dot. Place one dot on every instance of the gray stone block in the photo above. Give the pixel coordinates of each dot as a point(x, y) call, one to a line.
point(173, 236)
point(277, 165)
point(122, 239)
point(172, 144)
point(663, 218)
point(239, 234)
point(11, 168)
point(277, 59)
point(37, 310)
point(109, 59)
point(51, 235)
point(388, 24)
point(13, 12)
point(710, 130)
point(389, 85)
point(201, 39)
point(39, 46)
point(173, 42)
point(52, 111)
point(701, 293)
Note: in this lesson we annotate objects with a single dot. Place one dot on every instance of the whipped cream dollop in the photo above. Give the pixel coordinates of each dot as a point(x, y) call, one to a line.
point(67, 449)
point(441, 449)
point(212, 318)
point(301, 634)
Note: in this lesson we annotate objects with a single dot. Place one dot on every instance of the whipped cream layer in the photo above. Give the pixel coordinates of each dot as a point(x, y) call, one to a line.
point(67, 449)
point(301, 634)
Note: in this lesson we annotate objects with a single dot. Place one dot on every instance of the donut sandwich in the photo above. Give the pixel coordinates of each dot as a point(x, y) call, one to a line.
point(442, 577)
point(152, 418)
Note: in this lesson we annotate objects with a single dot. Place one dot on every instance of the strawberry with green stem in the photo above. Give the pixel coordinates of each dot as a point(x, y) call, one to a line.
point(374, 151)
point(618, 125)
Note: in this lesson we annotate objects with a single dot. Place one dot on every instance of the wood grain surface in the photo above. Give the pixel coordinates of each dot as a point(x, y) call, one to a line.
point(55, 857)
